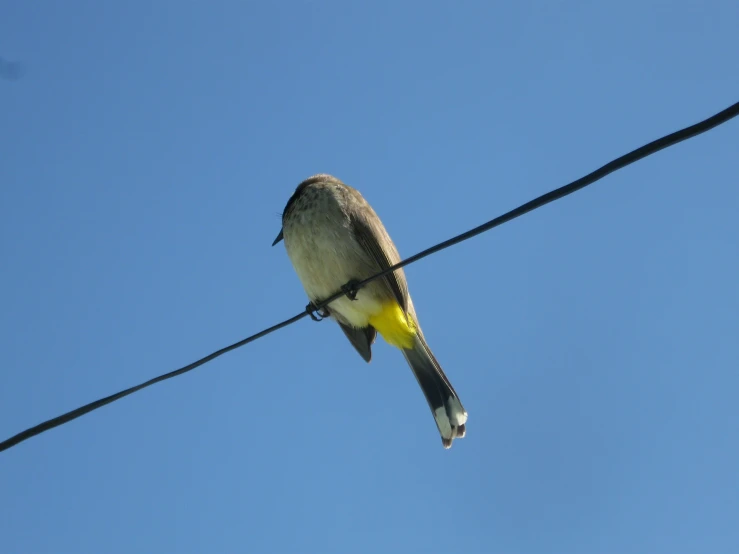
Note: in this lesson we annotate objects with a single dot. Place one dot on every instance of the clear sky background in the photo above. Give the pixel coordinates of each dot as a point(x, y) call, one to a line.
point(146, 154)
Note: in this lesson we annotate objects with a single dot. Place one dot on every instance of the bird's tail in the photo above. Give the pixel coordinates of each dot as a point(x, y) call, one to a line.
point(448, 411)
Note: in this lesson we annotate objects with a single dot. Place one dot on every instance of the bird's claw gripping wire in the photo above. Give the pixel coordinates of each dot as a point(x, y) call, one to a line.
point(350, 289)
point(315, 313)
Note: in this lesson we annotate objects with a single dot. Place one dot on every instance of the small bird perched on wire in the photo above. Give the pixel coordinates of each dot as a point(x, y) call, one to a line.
point(334, 238)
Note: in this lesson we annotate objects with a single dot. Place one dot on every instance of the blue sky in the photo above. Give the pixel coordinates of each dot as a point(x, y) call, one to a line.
point(146, 155)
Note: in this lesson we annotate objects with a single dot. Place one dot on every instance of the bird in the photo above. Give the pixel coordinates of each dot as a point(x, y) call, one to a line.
point(334, 240)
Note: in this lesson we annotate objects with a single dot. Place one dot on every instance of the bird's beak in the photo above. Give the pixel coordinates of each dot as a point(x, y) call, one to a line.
point(279, 238)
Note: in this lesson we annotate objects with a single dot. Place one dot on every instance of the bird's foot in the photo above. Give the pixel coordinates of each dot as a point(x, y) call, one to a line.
point(315, 313)
point(350, 289)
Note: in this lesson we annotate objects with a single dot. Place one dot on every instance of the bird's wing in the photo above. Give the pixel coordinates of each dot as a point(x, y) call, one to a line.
point(361, 339)
point(373, 237)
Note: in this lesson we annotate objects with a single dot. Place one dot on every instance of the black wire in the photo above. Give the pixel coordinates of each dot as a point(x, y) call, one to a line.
point(87, 408)
point(619, 163)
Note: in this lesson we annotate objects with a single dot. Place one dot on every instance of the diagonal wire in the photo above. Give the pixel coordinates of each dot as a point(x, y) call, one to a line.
point(619, 163)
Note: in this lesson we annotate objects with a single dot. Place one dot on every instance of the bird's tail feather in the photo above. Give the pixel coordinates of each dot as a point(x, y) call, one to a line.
point(448, 411)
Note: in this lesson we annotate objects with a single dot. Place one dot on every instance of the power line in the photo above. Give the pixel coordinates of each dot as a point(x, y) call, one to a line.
point(619, 163)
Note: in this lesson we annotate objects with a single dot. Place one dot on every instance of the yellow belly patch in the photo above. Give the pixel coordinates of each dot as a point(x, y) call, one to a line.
point(393, 325)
